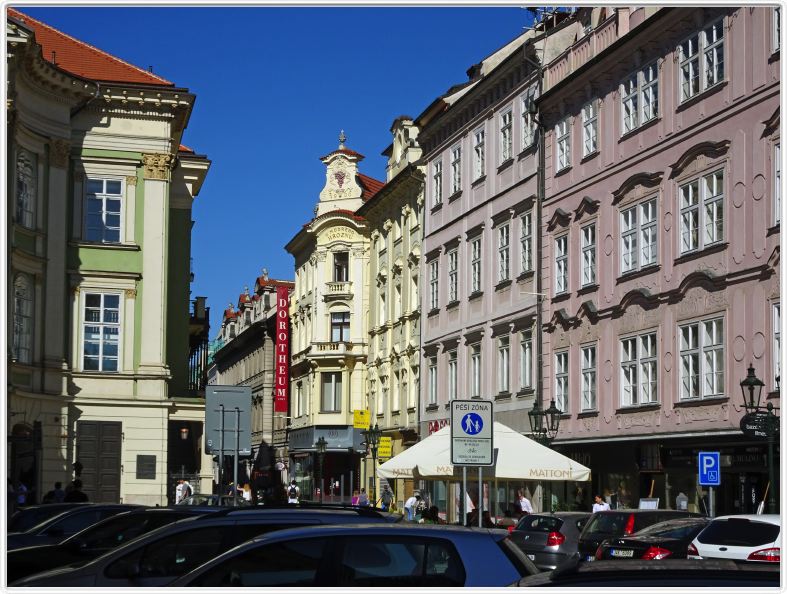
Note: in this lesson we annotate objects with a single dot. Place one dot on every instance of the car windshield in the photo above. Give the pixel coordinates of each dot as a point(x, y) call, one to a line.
point(739, 533)
point(25, 519)
point(614, 523)
point(534, 523)
point(674, 528)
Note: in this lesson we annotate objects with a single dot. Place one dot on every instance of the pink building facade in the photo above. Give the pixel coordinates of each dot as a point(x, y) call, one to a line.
point(661, 235)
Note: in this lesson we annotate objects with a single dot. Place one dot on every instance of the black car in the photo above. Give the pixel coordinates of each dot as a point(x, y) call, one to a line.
point(162, 555)
point(32, 515)
point(56, 529)
point(549, 539)
point(621, 522)
point(93, 541)
point(659, 541)
point(682, 573)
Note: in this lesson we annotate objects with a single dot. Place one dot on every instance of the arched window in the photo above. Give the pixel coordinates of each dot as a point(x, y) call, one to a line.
point(26, 188)
point(21, 347)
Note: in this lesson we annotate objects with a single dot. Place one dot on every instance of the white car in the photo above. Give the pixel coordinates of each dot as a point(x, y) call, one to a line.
point(744, 538)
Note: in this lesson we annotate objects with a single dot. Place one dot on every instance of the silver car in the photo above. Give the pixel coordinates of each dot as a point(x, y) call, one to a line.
point(549, 539)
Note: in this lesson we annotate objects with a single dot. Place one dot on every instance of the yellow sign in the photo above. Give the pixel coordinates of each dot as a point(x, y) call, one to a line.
point(384, 449)
point(361, 419)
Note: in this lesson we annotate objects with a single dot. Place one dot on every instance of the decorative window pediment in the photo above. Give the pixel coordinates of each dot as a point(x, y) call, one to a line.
point(559, 218)
point(586, 206)
point(698, 156)
point(771, 124)
point(636, 187)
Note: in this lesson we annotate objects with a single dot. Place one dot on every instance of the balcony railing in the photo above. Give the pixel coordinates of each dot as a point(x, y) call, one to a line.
point(339, 289)
point(582, 51)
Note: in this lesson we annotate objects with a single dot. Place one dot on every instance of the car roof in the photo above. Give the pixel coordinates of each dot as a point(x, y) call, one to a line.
point(379, 528)
point(767, 518)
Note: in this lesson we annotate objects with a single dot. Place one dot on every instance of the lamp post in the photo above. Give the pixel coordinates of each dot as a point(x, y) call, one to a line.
point(373, 441)
point(321, 445)
point(544, 424)
point(765, 423)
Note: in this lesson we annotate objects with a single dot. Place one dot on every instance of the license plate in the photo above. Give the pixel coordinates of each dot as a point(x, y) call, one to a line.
point(621, 553)
point(531, 557)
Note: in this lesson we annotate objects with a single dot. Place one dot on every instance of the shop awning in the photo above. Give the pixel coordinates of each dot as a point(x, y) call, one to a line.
point(517, 457)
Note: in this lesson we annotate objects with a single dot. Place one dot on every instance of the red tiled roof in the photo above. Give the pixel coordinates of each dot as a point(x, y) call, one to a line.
point(369, 185)
point(272, 282)
point(81, 59)
point(184, 149)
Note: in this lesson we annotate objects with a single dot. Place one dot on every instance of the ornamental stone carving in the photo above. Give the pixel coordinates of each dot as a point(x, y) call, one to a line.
point(59, 153)
point(131, 293)
point(131, 180)
point(157, 165)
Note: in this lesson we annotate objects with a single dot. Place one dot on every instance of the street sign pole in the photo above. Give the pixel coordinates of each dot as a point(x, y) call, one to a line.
point(237, 461)
point(221, 450)
point(480, 506)
point(463, 498)
point(709, 467)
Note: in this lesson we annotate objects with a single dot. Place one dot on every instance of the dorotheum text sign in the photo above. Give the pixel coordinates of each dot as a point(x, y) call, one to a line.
point(472, 433)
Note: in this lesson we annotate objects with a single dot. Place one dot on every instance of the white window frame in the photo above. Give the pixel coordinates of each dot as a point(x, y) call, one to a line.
point(561, 264)
point(24, 308)
point(453, 275)
point(588, 374)
point(639, 236)
point(475, 265)
point(526, 241)
point(776, 319)
point(777, 183)
point(589, 128)
point(437, 182)
point(101, 324)
point(475, 370)
point(562, 145)
point(638, 369)
point(526, 359)
point(434, 284)
point(340, 321)
point(383, 313)
point(453, 377)
point(504, 364)
point(561, 381)
point(479, 154)
point(299, 399)
point(701, 212)
point(396, 385)
point(506, 135)
point(528, 120)
point(504, 252)
point(334, 398)
point(26, 188)
point(588, 256)
point(639, 98)
point(702, 356)
point(102, 199)
point(432, 368)
point(456, 169)
point(698, 61)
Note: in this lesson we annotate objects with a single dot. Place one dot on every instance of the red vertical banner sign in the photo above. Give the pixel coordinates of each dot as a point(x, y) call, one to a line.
point(282, 386)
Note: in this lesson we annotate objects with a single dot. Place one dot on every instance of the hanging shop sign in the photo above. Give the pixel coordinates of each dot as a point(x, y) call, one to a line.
point(282, 379)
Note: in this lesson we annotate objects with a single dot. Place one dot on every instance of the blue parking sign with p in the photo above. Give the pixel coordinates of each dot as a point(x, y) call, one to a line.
point(710, 469)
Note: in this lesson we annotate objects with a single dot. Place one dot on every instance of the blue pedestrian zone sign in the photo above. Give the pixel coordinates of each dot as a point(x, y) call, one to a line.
point(472, 432)
point(709, 469)
point(472, 423)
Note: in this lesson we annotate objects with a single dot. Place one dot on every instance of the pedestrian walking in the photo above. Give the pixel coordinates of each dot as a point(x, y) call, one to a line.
point(600, 504)
point(293, 492)
point(187, 490)
point(179, 492)
point(56, 495)
point(356, 496)
point(363, 498)
point(386, 498)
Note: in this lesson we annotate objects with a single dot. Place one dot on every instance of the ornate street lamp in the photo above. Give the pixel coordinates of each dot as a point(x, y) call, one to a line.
point(321, 446)
point(373, 441)
point(552, 417)
point(764, 423)
point(544, 424)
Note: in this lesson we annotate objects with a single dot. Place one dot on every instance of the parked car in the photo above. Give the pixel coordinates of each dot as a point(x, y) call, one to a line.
point(659, 541)
point(206, 499)
point(681, 573)
point(56, 529)
point(389, 555)
point(621, 522)
point(25, 518)
point(549, 539)
point(162, 555)
point(745, 537)
point(93, 541)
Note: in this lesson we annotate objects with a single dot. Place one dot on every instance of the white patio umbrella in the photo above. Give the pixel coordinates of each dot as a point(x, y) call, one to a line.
point(517, 458)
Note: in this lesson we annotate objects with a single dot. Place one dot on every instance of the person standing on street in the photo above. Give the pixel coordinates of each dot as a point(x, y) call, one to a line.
point(293, 492)
point(409, 505)
point(363, 498)
point(600, 504)
point(524, 503)
point(179, 492)
point(386, 498)
point(76, 495)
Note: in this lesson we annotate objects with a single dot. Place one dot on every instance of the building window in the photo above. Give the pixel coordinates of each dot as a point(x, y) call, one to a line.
point(478, 154)
point(434, 296)
point(475, 370)
point(777, 183)
point(475, 265)
point(777, 28)
point(397, 302)
point(452, 375)
point(503, 365)
point(331, 391)
point(640, 97)
point(528, 119)
point(638, 238)
point(563, 143)
point(396, 387)
point(588, 255)
point(340, 327)
point(299, 399)
point(561, 381)
point(456, 169)
point(21, 345)
point(526, 241)
point(453, 276)
point(506, 136)
point(341, 266)
point(503, 253)
point(432, 380)
point(561, 264)
point(414, 304)
point(26, 187)
point(589, 378)
point(101, 332)
point(526, 359)
point(701, 60)
point(383, 311)
point(589, 129)
point(777, 342)
point(102, 213)
point(702, 359)
point(702, 212)
point(437, 183)
point(638, 369)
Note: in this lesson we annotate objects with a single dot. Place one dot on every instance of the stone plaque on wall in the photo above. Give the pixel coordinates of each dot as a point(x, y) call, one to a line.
point(146, 467)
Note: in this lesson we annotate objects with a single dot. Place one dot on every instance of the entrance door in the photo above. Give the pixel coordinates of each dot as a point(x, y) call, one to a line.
point(98, 449)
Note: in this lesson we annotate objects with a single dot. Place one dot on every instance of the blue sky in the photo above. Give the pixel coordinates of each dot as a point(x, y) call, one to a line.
point(274, 87)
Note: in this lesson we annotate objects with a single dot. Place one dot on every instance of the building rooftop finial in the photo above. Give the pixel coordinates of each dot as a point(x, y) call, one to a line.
point(342, 139)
